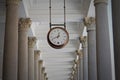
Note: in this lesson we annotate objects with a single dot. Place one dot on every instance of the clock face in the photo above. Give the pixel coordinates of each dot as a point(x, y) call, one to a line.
point(58, 37)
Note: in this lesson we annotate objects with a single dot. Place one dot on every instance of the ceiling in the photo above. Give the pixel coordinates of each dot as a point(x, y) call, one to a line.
point(58, 63)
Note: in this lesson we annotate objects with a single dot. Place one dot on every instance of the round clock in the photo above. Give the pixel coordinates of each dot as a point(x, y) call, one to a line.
point(57, 37)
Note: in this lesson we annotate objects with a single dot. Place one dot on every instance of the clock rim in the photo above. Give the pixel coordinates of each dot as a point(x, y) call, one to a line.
point(57, 46)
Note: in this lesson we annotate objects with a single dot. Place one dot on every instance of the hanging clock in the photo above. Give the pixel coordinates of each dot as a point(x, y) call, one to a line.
point(57, 37)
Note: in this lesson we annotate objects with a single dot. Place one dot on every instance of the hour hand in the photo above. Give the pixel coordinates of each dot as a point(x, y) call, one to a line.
point(55, 37)
point(58, 35)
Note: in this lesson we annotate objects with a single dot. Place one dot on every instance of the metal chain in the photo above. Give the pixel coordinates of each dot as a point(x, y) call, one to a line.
point(50, 13)
point(50, 24)
point(64, 15)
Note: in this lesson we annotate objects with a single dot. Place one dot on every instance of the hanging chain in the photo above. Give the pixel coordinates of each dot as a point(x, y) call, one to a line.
point(50, 13)
point(64, 15)
point(50, 24)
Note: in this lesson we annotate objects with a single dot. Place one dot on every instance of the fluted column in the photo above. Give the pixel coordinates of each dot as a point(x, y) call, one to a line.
point(45, 76)
point(80, 53)
point(10, 59)
point(72, 74)
point(31, 44)
point(71, 78)
point(83, 40)
point(77, 72)
point(40, 69)
point(36, 59)
point(92, 62)
point(75, 75)
point(76, 69)
point(24, 25)
point(104, 53)
point(43, 71)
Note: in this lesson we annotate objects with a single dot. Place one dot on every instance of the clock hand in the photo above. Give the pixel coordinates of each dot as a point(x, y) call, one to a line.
point(55, 37)
point(58, 35)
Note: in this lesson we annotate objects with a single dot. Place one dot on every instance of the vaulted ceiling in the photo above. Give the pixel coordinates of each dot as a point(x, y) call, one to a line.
point(58, 63)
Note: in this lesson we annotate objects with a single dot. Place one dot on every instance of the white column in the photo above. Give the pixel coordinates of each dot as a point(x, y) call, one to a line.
point(43, 71)
point(36, 59)
point(10, 58)
point(76, 75)
point(24, 24)
point(31, 44)
point(83, 40)
point(45, 76)
point(92, 58)
point(80, 53)
point(104, 54)
point(40, 69)
point(72, 74)
point(78, 70)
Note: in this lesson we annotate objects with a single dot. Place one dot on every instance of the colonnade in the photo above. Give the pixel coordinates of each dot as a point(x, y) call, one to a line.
point(28, 61)
point(95, 58)
point(21, 61)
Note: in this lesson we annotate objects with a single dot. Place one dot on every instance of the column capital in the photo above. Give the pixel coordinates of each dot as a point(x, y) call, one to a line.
point(71, 78)
point(89, 22)
point(74, 69)
point(24, 24)
point(73, 72)
point(76, 62)
point(31, 41)
point(100, 1)
point(47, 78)
point(41, 62)
point(43, 69)
point(37, 53)
point(80, 53)
point(12, 1)
point(83, 40)
point(45, 74)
